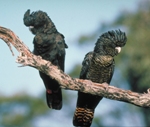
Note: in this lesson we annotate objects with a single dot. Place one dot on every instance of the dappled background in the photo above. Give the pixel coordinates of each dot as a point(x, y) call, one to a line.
point(22, 93)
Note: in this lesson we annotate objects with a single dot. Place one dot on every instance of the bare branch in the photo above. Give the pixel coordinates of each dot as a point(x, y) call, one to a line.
point(26, 58)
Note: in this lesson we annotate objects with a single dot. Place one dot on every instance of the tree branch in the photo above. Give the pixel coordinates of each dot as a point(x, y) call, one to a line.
point(26, 58)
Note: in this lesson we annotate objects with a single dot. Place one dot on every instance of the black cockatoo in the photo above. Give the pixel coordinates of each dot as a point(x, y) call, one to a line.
point(50, 45)
point(97, 66)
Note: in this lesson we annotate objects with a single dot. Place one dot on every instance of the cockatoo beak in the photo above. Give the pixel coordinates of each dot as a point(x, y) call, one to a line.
point(31, 27)
point(118, 49)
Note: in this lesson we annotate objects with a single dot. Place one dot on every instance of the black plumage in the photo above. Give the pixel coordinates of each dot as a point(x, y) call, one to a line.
point(50, 45)
point(98, 66)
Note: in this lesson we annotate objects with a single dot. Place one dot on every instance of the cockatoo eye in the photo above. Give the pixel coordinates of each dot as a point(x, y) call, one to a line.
point(118, 49)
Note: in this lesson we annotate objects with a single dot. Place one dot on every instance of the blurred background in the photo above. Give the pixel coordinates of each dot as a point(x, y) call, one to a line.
point(22, 92)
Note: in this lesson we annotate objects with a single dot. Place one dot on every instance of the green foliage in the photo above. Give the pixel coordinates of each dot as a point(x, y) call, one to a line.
point(134, 60)
point(135, 56)
point(84, 39)
point(75, 72)
point(20, 110)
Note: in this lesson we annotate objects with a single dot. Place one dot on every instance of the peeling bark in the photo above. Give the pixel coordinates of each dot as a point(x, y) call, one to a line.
point(26, 58)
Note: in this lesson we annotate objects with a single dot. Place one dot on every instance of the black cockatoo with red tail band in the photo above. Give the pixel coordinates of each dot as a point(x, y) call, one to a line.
point(50, 45)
